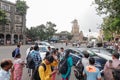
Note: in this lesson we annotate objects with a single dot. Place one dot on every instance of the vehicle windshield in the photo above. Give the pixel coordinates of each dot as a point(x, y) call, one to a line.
point(102, 51)
point(43, 49)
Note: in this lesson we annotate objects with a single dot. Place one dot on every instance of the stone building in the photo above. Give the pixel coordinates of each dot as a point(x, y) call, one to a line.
point(14, 31)
point(77, 35)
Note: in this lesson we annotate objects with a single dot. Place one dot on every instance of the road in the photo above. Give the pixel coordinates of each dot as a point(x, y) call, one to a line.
point(6, 52)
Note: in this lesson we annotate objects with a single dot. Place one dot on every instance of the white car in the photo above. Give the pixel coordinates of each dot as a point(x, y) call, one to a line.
point(43, 43)
point(42, 50)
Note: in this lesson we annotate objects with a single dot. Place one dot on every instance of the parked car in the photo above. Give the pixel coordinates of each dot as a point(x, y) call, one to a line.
point(100, 62)
point(75, 51)
point(99, 59)
point(75, 57)
point(42, 43)
point(74, 44)
point(42, 49)
point(103, 51)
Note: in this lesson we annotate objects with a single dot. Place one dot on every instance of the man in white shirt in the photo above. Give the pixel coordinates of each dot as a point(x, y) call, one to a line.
point(5, 73)
point(62, 53)
point(85, 59)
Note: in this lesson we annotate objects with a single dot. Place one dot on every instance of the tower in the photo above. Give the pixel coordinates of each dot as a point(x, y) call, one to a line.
point(75, 27)
point(77, 36)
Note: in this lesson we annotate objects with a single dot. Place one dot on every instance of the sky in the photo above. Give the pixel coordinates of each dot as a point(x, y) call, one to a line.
point(62, 13)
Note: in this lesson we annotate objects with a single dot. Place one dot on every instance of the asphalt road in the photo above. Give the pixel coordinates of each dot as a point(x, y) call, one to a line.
point(6, 52)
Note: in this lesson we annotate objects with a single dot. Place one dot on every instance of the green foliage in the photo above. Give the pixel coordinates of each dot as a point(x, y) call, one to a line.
point(50, 29)
point(111, 7)
point(41, 32)
point(3, 19)
point(69, 36)
point(21, 7)
point(111, 23)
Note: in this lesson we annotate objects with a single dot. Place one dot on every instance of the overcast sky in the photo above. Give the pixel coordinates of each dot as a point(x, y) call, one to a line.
point(62, 13)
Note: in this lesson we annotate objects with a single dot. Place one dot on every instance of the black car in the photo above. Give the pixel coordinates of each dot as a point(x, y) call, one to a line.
point(99, 61)
point(76, 56)
point(75, 51)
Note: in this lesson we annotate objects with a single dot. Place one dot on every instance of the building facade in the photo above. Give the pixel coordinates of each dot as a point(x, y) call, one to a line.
point(14, 31)
point(77, 35)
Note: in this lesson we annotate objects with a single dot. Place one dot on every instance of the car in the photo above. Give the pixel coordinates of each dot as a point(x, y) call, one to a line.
point(42, 50)
point(42, 43)
point(75, 57)
point(100, 60)
point(103, 50)
point(77, 54)
point(75, 51)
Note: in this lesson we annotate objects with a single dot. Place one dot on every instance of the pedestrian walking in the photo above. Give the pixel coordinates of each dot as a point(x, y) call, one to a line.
point(62, 53)
point(49, 49)
point(45, 72)
point(6, 71)
point(17, 50)
point(54, 54)
point(85, 59)
point(69, 65)
point(18, 67)
point(91, 72)
point(34, 59)
point(110, 65)
point(58, 54)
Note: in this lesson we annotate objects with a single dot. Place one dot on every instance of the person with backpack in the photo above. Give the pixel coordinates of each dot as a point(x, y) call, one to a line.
point(45, 72)
point(16, 51)
point(91, 72)
point(66, 68)
point(34, 59)
point(110, 65)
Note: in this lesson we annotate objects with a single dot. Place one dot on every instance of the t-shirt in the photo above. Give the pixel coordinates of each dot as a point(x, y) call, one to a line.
point(92, 72)
point(4, 75)
point(85, 62)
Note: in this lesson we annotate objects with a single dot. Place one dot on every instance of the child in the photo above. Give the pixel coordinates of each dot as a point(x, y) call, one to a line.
point(18, 67)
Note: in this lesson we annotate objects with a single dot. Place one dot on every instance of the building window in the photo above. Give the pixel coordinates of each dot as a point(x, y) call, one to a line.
point(8, 16)
point(18, 28)
point(18, 18)
point(7, 28)
point(5, 6)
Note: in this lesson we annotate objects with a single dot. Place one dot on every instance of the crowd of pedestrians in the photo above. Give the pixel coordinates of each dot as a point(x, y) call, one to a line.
point(48, 68)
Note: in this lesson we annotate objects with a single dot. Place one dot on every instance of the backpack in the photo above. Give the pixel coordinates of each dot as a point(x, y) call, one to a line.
point(78, 71)
point(30, 62)
point(36, 72)
point(63, 66)
point(13, 53)
point(116, 73)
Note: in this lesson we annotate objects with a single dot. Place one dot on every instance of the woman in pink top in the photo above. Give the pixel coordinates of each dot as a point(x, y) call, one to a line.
point(109, 65)
point(18, 67)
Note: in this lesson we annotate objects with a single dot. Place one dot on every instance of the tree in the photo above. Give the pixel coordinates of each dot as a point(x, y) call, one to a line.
point(69, 36)
point(111, 7)
point(41, 32)
point(111, 24)
point(50, 29)
point(31, 33)
point(21, 7)
point(3, 19)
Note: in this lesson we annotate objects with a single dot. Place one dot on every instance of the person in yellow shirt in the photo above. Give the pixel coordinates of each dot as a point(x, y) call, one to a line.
point(45, 73)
